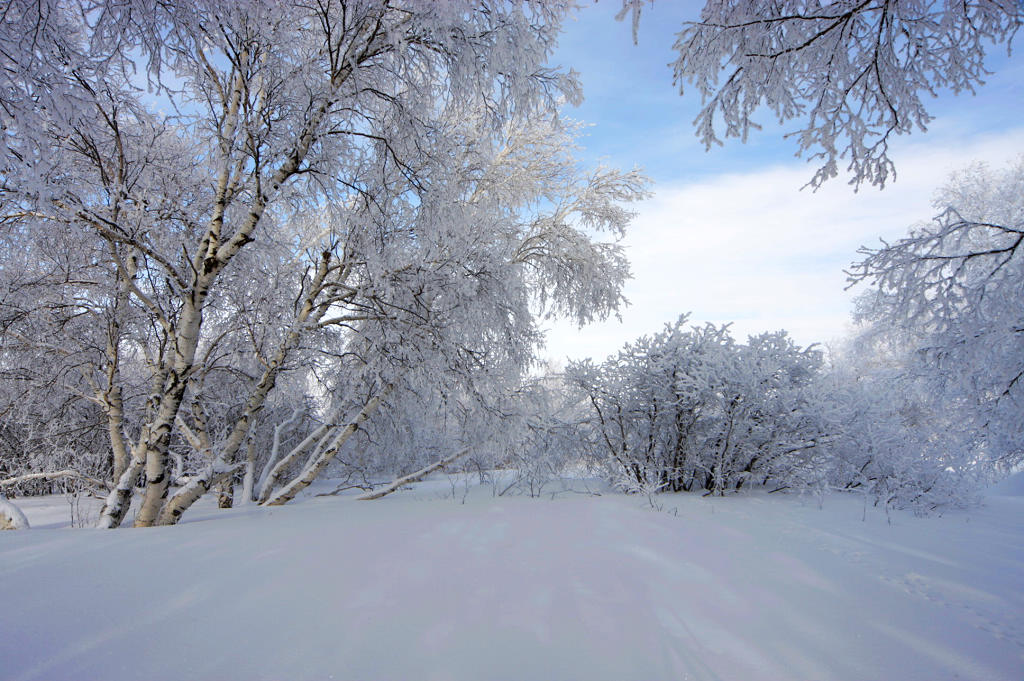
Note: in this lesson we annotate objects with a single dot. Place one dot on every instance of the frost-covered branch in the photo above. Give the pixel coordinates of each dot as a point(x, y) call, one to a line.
point(55, 475)
point(852, 73)
point(398, 483)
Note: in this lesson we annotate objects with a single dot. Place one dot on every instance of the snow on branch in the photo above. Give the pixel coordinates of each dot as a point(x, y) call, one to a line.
point(10, 482)
point(414, 477)
point(852, 73)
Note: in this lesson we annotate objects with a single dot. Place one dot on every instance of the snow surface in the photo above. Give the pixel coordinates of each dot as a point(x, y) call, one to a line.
point(1013, 486)
point(427, 584)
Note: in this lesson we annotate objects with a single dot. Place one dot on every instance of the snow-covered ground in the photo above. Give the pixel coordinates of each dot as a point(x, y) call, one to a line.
point(426, 584)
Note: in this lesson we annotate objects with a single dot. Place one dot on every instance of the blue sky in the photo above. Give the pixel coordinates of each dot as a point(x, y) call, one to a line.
point(729, 236)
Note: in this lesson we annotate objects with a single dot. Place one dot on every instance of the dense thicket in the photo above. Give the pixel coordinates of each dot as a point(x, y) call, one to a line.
point(691, 409)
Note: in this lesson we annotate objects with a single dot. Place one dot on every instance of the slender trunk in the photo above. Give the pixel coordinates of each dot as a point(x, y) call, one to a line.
point(226, 488)
point(115, 431)
point(186, 341)
point(112, 398)
point(207, 263)
point(275, 452)
point(719, 471)
point(309, 312)
point(311, 471)
point(413, 477)
point(51, 476)
point(248, 479)
point(271, 476)
point(155, 448)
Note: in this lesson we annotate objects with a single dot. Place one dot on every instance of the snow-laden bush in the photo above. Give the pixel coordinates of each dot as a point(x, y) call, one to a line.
point(895, 437)
point(689, 408)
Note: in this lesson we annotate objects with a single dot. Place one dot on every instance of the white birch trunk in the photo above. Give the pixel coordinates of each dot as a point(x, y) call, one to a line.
point(53, 476)
point(197, 486)
point(269, 479)
point(112, 398)
point(275, 453)
point(210, 262)
point(310, 472)
point(398, 483)
point(249, 478)
point(116, 505)
point(186, 340)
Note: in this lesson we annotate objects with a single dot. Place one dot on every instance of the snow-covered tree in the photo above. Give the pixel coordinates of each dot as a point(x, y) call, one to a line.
point(517, 433)
point(213, 196)
point(897, 437)
point(853, 73)
point(951, 294)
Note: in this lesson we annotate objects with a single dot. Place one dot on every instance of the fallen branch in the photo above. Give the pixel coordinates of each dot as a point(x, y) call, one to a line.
point(52, 476)
point(413, 477)
point(344, 488)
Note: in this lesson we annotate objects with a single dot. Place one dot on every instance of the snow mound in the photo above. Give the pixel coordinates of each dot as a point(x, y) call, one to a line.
point(1012, 486)
point(11, 517)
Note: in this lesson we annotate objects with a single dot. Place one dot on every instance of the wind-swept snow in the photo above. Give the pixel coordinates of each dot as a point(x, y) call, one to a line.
point(417, 586)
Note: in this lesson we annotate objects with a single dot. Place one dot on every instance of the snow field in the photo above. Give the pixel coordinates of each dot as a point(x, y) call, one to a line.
point(429, 585)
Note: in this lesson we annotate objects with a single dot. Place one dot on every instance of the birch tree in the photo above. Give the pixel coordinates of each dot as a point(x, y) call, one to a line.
point(265, 188)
